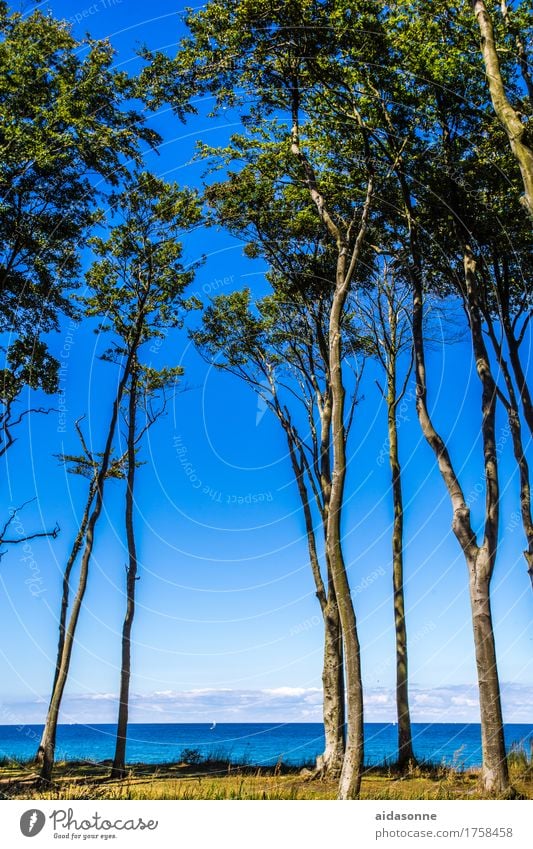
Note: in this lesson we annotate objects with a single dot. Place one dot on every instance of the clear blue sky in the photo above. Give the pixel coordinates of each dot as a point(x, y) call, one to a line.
point(227, 626)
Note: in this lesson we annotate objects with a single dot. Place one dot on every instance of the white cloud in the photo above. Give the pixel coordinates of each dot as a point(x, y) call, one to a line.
point(290, 691)
point(456, 703)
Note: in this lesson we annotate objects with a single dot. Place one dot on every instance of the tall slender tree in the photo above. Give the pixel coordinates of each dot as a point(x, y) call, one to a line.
point(290, 70)
point(508, 114)
point(136, 306)
point(66, 130)
point(85, 465)
point(384, 313)
point(278, 347)
point(437, 246)
point(138, 284)
point(145, 384)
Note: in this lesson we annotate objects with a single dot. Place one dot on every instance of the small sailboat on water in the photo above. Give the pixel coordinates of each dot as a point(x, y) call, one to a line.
point(214, 725)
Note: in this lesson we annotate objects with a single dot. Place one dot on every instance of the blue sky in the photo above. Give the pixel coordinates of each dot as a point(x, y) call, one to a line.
point(227, 626)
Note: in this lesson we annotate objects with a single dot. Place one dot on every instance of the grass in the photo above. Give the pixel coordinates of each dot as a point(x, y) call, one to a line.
point(220, 779)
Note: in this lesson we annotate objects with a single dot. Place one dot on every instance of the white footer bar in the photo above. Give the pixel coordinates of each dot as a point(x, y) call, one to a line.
point(268, 824)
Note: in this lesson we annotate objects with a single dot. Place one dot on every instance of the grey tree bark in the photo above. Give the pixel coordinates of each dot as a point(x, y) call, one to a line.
point(480, 559)
point(330, 761)
point(119, 762)
point(405, 738)
point(350, 780)
point(383, 314)
point(65, 593)
point(48, 741)
point(510, 120)
point(348, 244)
point(510, 402)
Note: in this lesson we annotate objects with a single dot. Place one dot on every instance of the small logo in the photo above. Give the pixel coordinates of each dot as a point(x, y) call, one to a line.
point(32, 822)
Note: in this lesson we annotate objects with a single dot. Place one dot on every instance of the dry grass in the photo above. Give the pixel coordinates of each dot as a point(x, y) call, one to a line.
point(219, 780)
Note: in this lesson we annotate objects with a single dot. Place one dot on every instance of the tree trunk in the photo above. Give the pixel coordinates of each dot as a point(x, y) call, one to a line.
point(119, 763)
point(513, 415)
point(510, 120)
point(495, 776)
point(330, 762)
point(350, 780)
point(521, 382)
point(480, 559)
point(405, 741)
point(48, 742)
point(39, 758)
point(348, 253)
point(521, 50)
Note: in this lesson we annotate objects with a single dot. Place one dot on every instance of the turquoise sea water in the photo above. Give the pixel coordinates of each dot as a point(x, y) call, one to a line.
point(255, 743)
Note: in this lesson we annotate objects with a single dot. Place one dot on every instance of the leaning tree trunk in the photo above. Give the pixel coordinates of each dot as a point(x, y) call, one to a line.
point(350, 780)
point(516, 130)
point(333, 673)
point(64, 604)
point(495, 775)
point(521, 381)
point(405, 740)
point(480, 560)
point(330, 761)
point(48, 741)
point(513, 415)
point(345, 243)
point(119, 763)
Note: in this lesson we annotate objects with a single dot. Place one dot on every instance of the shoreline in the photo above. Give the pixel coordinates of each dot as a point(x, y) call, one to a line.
point(221, 779)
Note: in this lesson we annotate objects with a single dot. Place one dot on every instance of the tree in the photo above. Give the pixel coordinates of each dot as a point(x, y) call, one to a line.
point(287, 335)
point(480, 219)
point(136, 305)
point(292, 70)
point(66, 130)
point(278, 347)
point(385, 315)
point(440, 210)
point(345, 101)
point(509, 115)
point(145, 384)
point(138, 284)
point(85, 465)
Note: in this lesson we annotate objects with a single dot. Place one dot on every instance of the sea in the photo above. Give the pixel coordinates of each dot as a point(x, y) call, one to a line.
point(261, 744)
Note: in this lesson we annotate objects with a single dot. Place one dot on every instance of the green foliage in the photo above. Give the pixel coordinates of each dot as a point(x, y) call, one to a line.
point(138, 280)
point(28, 364)
point(65, 124)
